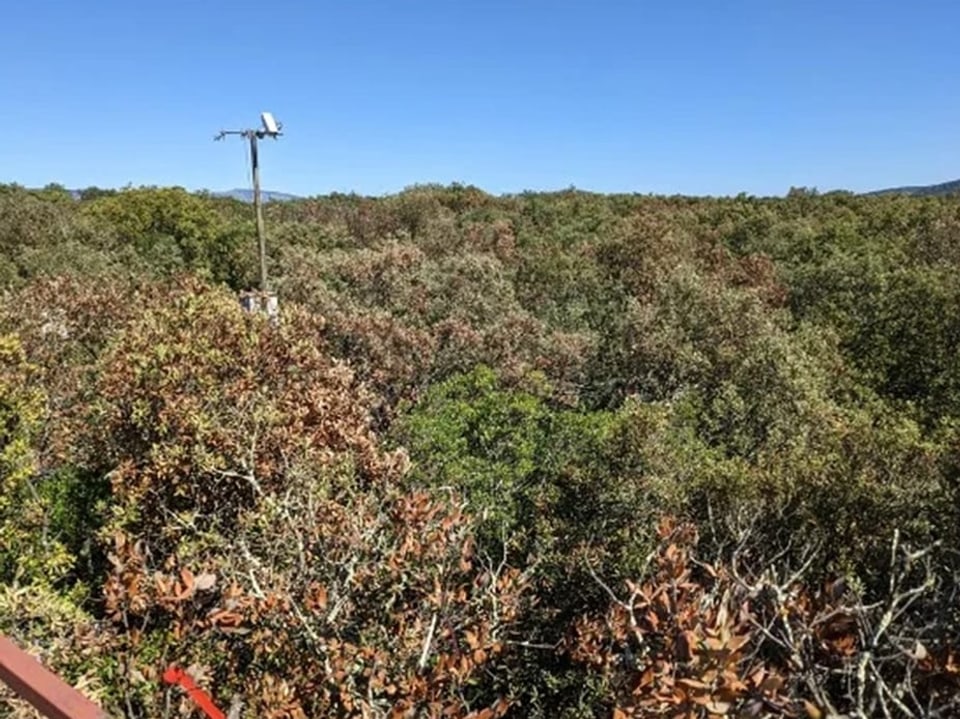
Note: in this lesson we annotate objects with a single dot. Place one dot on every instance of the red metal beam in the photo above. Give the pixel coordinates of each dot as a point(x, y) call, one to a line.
point(47, 692)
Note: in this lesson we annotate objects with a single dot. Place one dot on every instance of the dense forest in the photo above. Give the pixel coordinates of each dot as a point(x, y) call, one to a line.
point(537, 455)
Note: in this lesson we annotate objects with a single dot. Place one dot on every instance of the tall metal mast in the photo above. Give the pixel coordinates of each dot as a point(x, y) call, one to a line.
point(271, 128)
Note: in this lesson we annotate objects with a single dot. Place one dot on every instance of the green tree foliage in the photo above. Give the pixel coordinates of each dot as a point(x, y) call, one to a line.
point(172, 230)
point(41, 233)
point(558, 454)
point(544, 480)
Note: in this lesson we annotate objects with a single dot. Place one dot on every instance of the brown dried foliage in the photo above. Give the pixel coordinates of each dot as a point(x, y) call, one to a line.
point(704, 640)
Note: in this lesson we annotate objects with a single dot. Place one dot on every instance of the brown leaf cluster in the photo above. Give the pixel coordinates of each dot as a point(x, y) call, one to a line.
point(700, 640)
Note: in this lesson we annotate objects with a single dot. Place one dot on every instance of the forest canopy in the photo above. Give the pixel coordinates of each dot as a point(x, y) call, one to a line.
point(538, 455)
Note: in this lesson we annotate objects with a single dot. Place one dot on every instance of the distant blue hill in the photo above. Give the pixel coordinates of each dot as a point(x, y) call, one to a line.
point(247, 195)
point(944, 188)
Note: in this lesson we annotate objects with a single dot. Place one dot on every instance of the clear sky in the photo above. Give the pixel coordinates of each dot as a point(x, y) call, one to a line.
point(696, 97)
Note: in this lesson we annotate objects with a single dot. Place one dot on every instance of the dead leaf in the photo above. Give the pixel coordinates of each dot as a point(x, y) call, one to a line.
point(204, 582)
point(693, 684)
point(718, 708)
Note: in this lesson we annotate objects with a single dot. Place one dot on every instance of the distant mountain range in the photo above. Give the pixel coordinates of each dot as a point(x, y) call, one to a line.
point(246, 195)
point(944, 188)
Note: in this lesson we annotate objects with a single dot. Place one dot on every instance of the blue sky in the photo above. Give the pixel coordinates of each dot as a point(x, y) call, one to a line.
point(701, 97)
